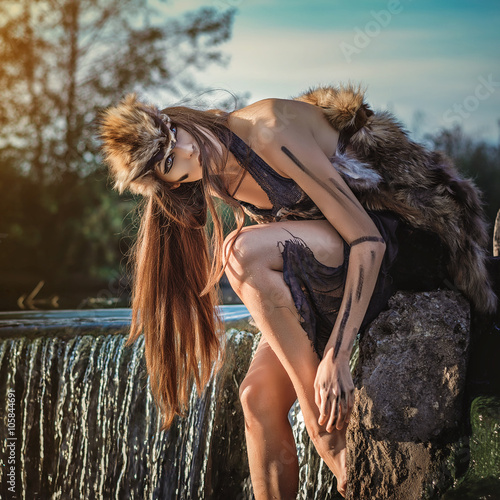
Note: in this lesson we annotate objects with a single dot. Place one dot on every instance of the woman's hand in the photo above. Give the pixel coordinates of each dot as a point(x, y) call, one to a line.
point(334, 391)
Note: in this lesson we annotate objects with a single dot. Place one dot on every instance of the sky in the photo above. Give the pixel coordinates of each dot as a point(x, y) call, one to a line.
point(434, 64)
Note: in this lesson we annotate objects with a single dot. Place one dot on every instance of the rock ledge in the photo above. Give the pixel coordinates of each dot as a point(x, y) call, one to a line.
point(404, 436)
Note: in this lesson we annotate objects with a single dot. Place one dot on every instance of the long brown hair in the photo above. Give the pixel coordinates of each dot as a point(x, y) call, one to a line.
point(174, 295)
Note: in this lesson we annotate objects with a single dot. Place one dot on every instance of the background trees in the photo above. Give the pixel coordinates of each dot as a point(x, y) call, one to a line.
point(62, 61)
point(477, 159)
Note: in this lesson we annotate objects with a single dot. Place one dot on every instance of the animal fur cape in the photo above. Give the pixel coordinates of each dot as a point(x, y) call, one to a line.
point(388, 171)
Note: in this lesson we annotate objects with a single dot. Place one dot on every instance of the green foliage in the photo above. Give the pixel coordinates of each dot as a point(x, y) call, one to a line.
point(69, 227)
point(62, 62)
point(483, 477)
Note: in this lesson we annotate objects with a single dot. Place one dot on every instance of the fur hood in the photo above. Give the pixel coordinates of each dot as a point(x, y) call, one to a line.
point(132, 133)
point(388, 171)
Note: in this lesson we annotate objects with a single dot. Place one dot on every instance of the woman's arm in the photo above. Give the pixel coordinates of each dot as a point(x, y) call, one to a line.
point(295, 153)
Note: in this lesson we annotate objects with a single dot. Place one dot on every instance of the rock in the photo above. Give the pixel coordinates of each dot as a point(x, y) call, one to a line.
point(485, 439)
point(483, 477)
point(405, 428)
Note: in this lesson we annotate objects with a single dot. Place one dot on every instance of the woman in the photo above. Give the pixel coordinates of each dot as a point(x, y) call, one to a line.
point(316, 270)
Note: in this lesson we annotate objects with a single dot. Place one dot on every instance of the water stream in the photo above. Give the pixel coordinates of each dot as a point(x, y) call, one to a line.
point(77, 420)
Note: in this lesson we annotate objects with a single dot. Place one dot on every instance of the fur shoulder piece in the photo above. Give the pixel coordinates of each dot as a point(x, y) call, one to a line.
point(344, 105)
point(388, 171)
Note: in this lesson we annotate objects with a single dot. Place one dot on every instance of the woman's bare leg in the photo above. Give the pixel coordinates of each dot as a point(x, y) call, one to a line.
point(255, 272)
point(266, 396)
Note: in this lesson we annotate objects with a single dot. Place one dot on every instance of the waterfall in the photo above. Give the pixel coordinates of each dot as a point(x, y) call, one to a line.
point(78, 419)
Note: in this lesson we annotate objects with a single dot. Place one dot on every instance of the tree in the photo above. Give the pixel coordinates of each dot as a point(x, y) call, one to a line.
point(63, 61)
point(476, 159)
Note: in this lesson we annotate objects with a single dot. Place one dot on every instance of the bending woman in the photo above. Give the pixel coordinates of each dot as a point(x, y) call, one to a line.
point(315, 270)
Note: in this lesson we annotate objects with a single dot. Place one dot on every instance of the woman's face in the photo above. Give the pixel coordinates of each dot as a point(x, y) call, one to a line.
point(183, 163)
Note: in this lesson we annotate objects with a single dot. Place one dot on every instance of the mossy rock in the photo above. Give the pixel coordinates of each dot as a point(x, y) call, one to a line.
point(482, 481)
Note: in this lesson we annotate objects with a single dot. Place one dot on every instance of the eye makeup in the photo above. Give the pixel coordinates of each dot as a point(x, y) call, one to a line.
point(173, 130)
point(166, 164)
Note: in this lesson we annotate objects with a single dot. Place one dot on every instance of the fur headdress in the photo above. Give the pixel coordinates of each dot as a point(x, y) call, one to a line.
point(135, 136)
point(388, 171)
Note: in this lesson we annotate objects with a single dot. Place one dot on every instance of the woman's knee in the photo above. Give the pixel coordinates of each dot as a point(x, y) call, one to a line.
point(256, 249)
point(263, 401)
point(238, 252)
point(250, 255)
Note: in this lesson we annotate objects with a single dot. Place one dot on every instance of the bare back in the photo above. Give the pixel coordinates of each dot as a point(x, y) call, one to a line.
point(267, 121)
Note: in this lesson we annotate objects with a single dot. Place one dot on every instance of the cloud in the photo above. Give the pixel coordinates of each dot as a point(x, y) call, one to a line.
point(283, 62)
point(412, 63)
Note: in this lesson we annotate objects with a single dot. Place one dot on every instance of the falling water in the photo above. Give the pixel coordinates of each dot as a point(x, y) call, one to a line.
point(83, 423)
point(78, 419)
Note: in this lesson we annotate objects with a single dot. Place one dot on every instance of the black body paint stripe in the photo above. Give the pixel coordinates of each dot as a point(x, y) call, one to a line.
point(345, 317)
point(372, 253)
point(363, 239)
point(339, 187)
point(320, 182)
point(359, 290)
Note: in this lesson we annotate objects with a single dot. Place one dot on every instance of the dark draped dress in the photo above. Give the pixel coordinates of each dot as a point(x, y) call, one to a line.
point(413, 260)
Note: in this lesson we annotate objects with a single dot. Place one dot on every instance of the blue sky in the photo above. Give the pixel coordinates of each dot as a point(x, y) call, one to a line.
point(441, 58)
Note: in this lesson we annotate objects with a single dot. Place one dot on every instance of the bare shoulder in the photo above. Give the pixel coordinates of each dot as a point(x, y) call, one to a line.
point(278, 113)
point(271, 122)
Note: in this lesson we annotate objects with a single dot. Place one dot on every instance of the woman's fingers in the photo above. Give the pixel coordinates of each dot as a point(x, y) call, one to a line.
point(317, 397)
point(324, 407)
point(334, 414)
point(339, 421)
point(344, 409)
point(334, 402)
point(338, 412)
